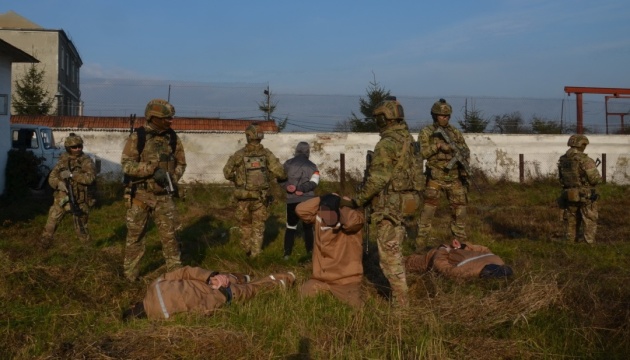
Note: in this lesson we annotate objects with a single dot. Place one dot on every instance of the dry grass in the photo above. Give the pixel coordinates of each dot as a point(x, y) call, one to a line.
point(565, 300)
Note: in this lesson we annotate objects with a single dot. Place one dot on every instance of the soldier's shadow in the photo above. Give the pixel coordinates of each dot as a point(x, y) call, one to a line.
point(196, 238)
point(373, 273)
point(272, 230)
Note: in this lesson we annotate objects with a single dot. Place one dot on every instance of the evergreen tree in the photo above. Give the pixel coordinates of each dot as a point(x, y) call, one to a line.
point(473, 122)
point(267, 106)
point(30, 96)
point(375, 95)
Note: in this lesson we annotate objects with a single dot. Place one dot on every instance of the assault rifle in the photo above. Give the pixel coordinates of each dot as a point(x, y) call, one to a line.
point(367, 208)
point(460, 155)
point(75, 208)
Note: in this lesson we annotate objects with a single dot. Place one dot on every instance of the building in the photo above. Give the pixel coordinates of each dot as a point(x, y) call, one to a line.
point(58, 58)
point(9, 55)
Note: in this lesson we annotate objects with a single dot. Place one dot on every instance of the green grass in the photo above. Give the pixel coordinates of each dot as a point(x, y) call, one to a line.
point(564, 301)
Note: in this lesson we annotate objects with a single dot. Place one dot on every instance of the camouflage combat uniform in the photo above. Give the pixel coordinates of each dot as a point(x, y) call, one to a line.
point(147, 197)
point(579, 175)
point(83, 175)
point(440, 179)
point(393, 188)
point(251, 169)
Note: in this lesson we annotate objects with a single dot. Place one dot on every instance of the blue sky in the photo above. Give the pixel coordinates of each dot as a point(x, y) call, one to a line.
point(492, 48)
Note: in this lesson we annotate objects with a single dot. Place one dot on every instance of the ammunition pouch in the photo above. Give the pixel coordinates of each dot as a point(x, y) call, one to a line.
point(409, 203)
point(572, 195)
point(244, 194)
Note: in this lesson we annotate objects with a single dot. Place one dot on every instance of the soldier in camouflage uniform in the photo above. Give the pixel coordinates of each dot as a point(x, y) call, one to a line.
point(152, 154)
point(579, 175)
point(439, 178)
point(393, 187)
point(76, 169)
point(251, 169)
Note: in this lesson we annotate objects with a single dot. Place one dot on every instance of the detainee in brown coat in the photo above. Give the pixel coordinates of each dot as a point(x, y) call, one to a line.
point(459, 260)
point(193, 289)
point(337, 250)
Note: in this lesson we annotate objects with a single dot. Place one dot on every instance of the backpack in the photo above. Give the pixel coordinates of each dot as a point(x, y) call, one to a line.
point(256, 173)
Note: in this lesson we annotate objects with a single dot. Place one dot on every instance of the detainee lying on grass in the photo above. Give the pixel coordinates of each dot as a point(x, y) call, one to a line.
point(459, 260)
point(193, 289)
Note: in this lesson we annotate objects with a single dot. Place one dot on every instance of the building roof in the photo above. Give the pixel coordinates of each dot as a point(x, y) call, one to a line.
point(15, 54)
point(119, 123)
point(13, 20)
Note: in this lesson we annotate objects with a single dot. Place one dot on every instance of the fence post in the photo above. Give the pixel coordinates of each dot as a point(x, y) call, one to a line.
point(521, 168)
point(604, 168)
point(342, 172)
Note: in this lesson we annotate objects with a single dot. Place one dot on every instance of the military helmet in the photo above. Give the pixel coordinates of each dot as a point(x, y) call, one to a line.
point(254, 132)
point(441, 107)
point(390, 108)
point(577, 140)
point(73, 140)
point(159, 108)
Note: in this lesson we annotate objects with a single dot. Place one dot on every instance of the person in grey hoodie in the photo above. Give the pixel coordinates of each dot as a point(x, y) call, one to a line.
point(302, 179)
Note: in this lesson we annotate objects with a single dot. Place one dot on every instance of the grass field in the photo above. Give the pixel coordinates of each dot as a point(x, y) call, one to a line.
point(565, 301)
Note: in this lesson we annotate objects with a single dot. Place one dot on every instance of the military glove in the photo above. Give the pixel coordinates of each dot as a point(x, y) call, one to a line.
point(160, 176)
point(65, 174)
point(62, 186)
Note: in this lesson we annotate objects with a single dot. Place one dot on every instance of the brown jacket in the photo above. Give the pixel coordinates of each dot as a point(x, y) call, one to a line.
point(337, 252)
point(187, 289)
point(465, 262)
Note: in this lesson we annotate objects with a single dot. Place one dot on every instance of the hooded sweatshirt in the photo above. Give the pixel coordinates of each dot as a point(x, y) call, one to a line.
point(302, 173)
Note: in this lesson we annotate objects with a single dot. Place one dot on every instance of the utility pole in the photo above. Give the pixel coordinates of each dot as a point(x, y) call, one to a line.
point(268, 93)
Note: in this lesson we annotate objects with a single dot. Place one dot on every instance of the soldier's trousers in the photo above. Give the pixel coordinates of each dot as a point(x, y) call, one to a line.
point(390, 238)
point(56, 214)
point(456, 195)
point(580, 222)
point(251, 216)
point(162, 209)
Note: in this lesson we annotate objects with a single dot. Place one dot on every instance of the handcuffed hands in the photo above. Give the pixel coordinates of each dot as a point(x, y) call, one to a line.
point(62, 186)
point(291, 188)
point(65, 174)
point(219, 281)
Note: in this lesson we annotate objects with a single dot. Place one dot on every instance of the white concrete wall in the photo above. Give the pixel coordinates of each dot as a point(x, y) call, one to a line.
point(497, 155)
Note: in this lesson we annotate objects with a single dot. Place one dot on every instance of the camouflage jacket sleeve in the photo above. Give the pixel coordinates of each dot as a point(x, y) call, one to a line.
point(590, 170)
point(230, 168)
point(380, 171)
point(130, 160)
point(54, 177)
point(85, 172)
point(82, 168)
point(427, 145)
point(180, 158)
point(275, 167)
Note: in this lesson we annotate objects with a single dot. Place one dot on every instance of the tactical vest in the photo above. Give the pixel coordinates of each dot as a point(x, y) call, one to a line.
point(569, 168)
point(256, 173)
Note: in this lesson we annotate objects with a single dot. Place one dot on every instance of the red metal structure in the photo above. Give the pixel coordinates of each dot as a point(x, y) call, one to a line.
point(611, 92)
